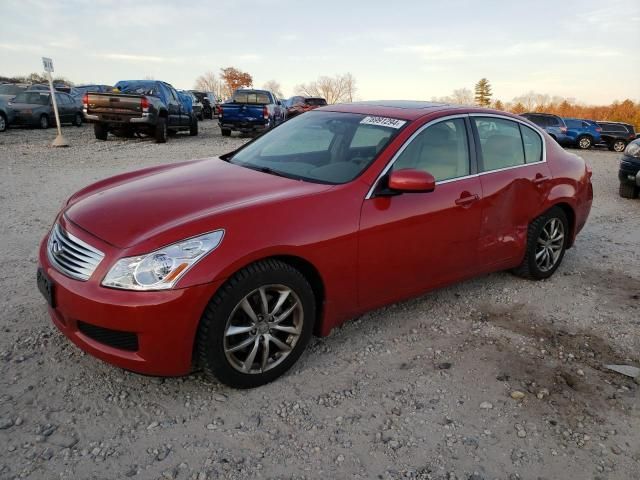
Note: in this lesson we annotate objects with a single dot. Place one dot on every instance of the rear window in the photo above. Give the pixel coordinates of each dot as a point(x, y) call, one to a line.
point(34, 98)
point(259, 98)
point(574, 123)
point(316, 102)
point(138, 89)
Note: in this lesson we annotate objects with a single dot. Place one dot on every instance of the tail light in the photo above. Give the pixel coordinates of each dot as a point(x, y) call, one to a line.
point(632, 136)
point(563, 129)
point(85, 100)
point(265, 112)
point(598, 129)
point(220, 110)
point(144, 103)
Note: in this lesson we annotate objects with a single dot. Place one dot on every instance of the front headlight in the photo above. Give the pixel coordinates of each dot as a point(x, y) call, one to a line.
point(161, 269)
point(633, 150)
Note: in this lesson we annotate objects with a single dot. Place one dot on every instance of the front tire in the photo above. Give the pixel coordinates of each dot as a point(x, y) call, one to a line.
point(585, 142)
point(547, 239)
point(100, 131)
point(43, 122)
point(161, 132)
point(3, 122)
point(257, 325)
point(225, 132)
point(628, 191)
point(77, 121)
point(193, 128)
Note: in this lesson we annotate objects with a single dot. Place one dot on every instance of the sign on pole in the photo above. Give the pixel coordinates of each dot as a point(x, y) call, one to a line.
point(48, 64)
point(60, 141)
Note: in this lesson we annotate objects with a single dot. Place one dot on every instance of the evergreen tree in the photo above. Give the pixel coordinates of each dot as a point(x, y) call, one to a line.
point(483, 93)
point(498, 105)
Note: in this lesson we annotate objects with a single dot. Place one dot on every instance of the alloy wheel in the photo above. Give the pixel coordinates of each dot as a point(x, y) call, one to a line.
point(263, 329)
point(3, 124)
point(550, 244)
point(584, 143)
point(618, 146)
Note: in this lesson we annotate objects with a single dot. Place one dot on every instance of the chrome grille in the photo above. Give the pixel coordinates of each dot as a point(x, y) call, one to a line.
point(71, 256)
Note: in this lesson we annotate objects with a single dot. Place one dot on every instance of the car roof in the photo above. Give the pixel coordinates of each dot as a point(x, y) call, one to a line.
point(402, 109)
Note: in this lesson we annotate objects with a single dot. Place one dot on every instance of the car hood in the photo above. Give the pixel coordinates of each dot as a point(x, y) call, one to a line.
point(138, 206)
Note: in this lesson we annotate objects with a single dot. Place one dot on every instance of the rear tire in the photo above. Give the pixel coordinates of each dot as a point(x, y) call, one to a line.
point(257, 289)
point(77, 121)
point(161, 132)
point(193, 129)
point(3, 122)
point(547, 238)
point(225, 132)
point(585, 142)
point(618, 146)
point(100, 131)
point(43, 122)
point(628, 191)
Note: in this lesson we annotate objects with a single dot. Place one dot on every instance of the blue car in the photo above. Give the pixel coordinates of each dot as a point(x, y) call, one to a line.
point(582, 133)
point(552, 124)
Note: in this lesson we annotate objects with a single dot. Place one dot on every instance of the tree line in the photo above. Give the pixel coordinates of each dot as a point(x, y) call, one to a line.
point(626, 111)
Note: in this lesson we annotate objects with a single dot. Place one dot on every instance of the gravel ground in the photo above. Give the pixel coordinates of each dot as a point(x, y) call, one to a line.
point(421, 389)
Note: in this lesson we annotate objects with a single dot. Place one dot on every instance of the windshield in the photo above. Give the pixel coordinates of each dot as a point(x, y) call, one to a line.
point(34, 98)
point(11, 89)
point(248, 96)
point(320, 147)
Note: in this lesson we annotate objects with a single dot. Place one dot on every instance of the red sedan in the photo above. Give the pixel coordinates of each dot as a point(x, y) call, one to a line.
point(232, 263)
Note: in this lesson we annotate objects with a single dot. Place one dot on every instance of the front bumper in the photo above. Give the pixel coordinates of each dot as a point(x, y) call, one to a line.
point(164, 323)
point(629, 171)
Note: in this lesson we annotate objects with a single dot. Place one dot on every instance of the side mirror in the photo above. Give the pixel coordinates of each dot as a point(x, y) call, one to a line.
point(410, 180)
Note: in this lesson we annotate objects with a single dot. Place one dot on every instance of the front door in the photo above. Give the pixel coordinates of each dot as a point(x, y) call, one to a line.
point(412, 242)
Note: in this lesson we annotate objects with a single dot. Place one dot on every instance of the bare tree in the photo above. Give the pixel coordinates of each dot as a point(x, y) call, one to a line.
point(462, 96)
point(340, 88)
point(275, 87)
point(207, 82)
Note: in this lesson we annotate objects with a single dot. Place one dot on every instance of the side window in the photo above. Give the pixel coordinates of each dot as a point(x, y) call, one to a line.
point(500, 143)
point(441, 149)
point(538, 120)
point(532, 144)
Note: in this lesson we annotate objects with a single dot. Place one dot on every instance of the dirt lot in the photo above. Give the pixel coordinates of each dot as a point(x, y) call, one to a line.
point(420, 389)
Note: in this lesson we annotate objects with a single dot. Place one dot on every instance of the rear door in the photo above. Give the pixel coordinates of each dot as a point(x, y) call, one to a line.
point(515, 183)
point(412, 242)
point(173, 105)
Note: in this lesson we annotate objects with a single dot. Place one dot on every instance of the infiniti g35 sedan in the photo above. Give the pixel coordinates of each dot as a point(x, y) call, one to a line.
point(232, 263)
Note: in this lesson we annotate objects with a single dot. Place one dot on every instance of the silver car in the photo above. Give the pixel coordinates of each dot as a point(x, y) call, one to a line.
point(34, 108)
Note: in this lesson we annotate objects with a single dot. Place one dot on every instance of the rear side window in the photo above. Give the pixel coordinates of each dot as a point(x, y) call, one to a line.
point(538, 120)
point(553, 121)
point(575, 123)
point(440, 149)
point(500, 143)
point(532, 144)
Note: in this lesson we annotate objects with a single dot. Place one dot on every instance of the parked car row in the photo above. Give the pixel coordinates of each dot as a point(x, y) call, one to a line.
point(582, 133)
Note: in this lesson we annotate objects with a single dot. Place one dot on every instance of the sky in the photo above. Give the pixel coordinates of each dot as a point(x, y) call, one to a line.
point(585, 50)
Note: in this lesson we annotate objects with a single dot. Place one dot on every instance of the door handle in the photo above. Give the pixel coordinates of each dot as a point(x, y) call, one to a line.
point(466, 199)
point(540, 178)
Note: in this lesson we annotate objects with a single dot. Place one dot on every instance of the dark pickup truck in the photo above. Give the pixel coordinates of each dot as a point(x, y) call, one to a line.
point(140, 106)
point(250, 111)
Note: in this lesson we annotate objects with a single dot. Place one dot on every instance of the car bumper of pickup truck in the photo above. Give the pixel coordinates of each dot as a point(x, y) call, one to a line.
point(145, 119)
point(146, 332)
point(245, 127)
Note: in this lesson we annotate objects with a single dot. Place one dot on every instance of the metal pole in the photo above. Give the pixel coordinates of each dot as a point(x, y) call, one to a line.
point(60, 141)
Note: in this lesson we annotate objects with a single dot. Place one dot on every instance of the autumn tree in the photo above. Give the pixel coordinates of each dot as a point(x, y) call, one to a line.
point(233, 79)
point(518, 108)
point(483, 93)
point(275, 87)
point(340, 88)
point(498, 105)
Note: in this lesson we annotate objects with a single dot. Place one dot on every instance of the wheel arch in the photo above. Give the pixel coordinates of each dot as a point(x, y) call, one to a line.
point(571, 218)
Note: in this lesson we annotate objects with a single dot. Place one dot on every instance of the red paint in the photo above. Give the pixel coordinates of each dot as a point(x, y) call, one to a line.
point(368, 252)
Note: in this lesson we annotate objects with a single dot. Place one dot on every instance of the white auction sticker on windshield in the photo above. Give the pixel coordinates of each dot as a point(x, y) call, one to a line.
point(383, 122)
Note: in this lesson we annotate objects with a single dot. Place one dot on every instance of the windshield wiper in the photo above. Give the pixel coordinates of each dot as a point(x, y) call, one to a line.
point(268, 170)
